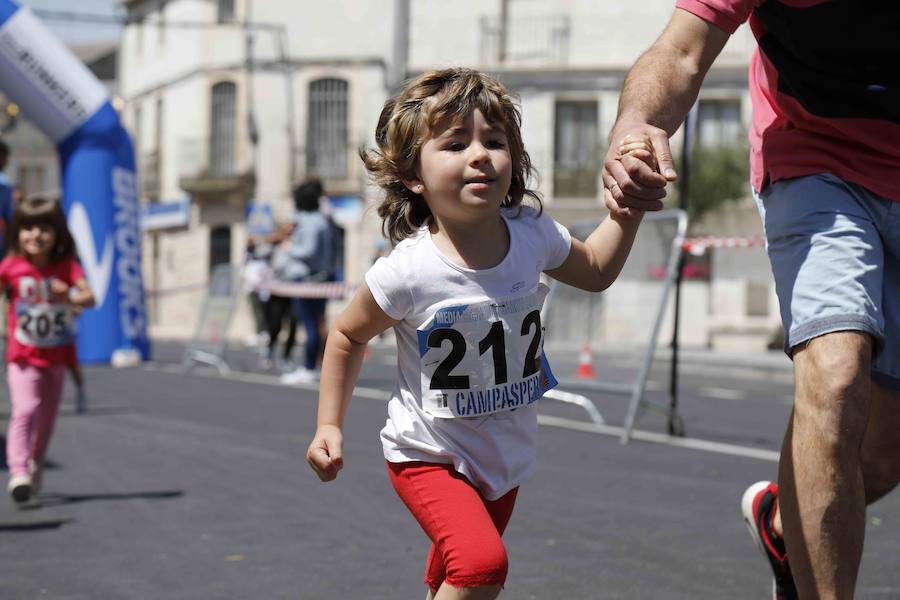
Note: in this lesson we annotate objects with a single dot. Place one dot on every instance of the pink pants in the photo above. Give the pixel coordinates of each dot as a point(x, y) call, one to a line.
point(464, 527)
point(35, 393)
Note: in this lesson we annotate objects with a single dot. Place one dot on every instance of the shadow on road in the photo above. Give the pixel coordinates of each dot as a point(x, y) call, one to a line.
point(34, 525)
point(62, 499)
point(90, 411)
point(97, 411)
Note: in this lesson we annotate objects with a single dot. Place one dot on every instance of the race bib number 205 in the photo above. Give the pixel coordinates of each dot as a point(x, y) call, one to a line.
point(485, 357)
point(44, 325)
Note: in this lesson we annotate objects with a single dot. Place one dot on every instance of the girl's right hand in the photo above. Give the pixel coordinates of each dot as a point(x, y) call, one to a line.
point(325, 453)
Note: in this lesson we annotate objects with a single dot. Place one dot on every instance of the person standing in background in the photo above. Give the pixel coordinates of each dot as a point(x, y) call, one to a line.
point(7, 204)
point(256, 269)
point(310, 260)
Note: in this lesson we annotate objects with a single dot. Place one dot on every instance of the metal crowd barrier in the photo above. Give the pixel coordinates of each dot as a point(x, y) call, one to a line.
point(631, 312)
point(208, 344)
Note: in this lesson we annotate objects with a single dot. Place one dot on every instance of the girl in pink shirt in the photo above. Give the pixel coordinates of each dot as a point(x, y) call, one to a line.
point(47, 288)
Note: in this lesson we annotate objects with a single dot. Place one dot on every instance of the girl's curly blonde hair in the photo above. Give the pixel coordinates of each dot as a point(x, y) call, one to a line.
point(408, 119)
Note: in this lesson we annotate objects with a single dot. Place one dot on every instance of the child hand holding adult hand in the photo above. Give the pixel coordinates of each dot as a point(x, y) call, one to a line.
point(640, 147)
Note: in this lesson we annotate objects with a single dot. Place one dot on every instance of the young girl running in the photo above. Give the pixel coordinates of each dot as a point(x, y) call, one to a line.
point(46, 283)
point(462, 291)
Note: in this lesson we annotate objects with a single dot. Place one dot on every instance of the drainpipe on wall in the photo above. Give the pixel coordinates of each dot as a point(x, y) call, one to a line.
point(397, 69)
point(503, 31)
point(288, 72)
point(252, 129)
point(280, 42)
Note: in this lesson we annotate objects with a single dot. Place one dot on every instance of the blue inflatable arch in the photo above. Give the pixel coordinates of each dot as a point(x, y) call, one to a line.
point(64, 99)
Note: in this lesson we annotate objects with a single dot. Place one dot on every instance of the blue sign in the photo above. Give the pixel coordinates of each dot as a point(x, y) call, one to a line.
point(346, 210)
point(260, 220)
point(165, 215)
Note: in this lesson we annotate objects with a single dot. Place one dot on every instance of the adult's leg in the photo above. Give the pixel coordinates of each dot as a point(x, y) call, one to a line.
point(881, 444)
point(308, 312)
point(291, 340)
point(275, 313)
point(880, 452)
point(827, 257)
point(821, 486)
point(323, 333)
point(259, 312)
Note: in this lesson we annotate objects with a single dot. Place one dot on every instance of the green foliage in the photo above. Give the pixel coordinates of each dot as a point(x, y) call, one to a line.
point(718, 175)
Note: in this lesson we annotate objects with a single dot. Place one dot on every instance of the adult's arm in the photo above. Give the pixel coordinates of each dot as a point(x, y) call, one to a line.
point(658, 92)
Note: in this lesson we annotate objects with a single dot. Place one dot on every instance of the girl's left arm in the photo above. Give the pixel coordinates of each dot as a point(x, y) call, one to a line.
point(80, 294)
point(594, 264)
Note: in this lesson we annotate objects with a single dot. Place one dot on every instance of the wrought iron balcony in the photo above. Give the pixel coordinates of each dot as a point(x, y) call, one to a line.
point(532, 40)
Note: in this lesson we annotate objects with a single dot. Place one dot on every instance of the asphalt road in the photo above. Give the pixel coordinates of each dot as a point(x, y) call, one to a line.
point(193, 485)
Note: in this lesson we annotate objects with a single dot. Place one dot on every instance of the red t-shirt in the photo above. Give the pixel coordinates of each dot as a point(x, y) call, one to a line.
point(39, 333)
point(825, 87)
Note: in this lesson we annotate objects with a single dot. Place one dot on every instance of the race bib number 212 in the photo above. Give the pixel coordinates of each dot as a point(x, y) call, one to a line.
point(484, 357)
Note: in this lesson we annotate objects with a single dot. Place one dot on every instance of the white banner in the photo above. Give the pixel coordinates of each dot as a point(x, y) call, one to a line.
point(53, 88)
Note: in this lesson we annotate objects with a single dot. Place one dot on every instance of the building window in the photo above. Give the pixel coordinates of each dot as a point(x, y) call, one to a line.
point(719, 124)
point(326, 132)
point(219, 246)
point(576, 164)
point(222, 138)
point(226, 11)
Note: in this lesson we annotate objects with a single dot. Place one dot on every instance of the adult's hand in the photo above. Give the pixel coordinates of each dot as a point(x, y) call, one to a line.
point(630, 184)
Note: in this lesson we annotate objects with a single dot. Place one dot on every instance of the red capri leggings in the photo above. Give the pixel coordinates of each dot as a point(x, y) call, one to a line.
point(464, 527)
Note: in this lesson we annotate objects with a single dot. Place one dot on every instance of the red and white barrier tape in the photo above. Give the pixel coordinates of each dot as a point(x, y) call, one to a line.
point(181, 289)
point(286, 289)
point(699, 245)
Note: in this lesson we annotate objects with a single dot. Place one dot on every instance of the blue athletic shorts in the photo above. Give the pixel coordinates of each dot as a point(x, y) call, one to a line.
point(835, 253)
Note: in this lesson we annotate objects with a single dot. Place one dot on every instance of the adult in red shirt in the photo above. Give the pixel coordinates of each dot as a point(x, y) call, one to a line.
point(825, 154)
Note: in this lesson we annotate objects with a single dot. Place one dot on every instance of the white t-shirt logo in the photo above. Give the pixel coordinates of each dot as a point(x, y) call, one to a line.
point(484, 357)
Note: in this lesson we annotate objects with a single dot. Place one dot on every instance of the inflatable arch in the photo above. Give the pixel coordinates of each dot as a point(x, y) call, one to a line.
point(64, 99)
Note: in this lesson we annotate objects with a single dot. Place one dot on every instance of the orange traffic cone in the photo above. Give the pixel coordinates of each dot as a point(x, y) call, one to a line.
point(585, 363)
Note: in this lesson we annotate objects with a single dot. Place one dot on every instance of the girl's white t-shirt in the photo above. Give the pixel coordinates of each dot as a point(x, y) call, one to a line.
point(417, 285)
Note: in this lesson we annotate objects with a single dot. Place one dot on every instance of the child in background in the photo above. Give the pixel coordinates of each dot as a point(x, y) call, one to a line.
point(47, 285)
point(78, 380)
point(75, 370)
point(462, 290)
